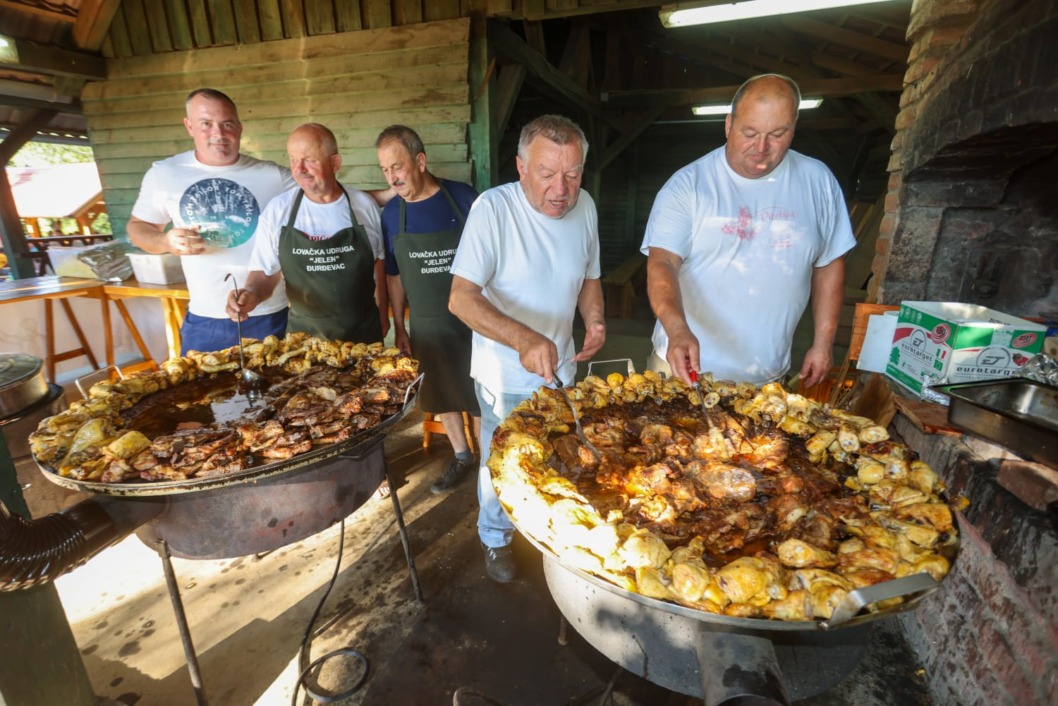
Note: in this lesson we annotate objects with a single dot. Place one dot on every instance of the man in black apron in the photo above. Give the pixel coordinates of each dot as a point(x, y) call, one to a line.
point(421, 228)
point(324, 243)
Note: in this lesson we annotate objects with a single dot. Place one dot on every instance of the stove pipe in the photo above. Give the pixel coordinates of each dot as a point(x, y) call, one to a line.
point(34, 552)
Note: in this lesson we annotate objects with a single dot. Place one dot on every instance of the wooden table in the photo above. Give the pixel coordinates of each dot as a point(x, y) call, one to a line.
point(173, 297)
point(49, 289)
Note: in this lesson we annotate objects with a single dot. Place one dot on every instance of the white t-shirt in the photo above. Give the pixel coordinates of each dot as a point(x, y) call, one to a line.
point(749, 247)
point(317, 220)
point(531, 267)
point(226, 203)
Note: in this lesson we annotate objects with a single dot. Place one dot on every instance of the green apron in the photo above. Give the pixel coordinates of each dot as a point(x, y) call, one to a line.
point(439, 341)
point(331, 282)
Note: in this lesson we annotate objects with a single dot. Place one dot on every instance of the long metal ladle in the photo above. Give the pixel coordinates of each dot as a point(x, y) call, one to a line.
point(250, 377)
point(576, 418)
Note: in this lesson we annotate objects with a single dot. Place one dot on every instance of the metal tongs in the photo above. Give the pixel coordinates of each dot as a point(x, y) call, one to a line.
point(251, 378)
point(576, 418)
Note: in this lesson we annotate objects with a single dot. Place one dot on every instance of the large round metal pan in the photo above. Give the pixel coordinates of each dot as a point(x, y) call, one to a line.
point(913, 591)
point(253, 474)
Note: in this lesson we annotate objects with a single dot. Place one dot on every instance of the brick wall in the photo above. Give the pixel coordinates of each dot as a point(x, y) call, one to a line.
point(980, 103)
point(989, 637)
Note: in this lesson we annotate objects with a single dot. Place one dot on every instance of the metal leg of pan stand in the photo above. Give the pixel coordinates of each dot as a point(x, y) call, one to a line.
point(563, 631)
point(403, 532)
point(181, 624)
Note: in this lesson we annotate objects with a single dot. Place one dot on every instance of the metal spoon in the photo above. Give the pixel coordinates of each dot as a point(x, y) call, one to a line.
point(250, 377)
point(576, 419)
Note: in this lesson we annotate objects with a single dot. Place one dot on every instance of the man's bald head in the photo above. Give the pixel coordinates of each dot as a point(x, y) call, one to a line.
point(760, 127)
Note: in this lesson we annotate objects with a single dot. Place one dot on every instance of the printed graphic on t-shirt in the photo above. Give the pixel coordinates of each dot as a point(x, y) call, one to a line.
point(743, 226)
point(225, 212)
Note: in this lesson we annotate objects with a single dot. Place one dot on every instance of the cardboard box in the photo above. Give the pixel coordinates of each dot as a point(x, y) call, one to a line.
point(156, 269)
point(948, 342)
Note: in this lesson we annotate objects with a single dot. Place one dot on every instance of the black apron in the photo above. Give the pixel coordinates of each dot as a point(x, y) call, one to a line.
point(439, 341)
point(330, 283)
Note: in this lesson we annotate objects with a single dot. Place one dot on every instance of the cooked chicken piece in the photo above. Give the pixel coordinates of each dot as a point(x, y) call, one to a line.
point(873, 558)
point(287, 450)
point(690, 580)
point(799, 555)
point(722, 481)
point(651, 583)
point(936, 514)
point(753, 580)
point(644, 548)
point(797, 606)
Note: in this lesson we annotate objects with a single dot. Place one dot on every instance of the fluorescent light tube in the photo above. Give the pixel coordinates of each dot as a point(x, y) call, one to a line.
point(683, 14)
point(805, 104)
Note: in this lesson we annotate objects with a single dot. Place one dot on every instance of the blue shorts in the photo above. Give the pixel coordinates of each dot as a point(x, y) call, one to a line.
point(201, 333)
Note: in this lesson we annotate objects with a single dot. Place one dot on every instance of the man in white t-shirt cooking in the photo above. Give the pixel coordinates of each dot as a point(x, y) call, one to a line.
point(527, 262)
point(324, 240)
point(737, 243)
point(212, 197)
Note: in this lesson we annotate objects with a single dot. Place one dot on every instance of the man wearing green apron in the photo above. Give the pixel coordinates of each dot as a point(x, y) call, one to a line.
point(421, 229)
point(324, 242)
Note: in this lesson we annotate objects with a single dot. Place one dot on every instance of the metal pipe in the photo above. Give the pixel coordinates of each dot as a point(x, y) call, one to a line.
point(34, 552)
point(739, 670)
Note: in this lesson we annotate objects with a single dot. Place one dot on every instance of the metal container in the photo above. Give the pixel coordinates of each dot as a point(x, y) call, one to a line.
point(22, 383)
point(1017, 413)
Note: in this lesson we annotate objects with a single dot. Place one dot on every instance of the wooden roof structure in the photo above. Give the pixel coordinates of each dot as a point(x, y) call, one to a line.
point(610, 64)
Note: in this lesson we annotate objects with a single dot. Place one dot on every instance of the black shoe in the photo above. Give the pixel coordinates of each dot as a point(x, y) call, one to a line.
point(457, 470)
point(499, 563)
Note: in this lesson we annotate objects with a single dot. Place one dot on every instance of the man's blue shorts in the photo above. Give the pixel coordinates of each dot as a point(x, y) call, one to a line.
point(201, 333)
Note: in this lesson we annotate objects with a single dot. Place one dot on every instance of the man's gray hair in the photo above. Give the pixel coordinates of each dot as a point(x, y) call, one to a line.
point(405, 136)
point(328, 141)
point(557, 128)
point(794, 89)
point(212, 94)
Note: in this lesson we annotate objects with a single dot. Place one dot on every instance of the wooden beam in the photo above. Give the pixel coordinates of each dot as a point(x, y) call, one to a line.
point(12, 235)
point(57, 62)
point(879, 109)
point(508, 85)
point(841, 66)
point(74, 107)
point(822, 87)
point(647, 118)
point(846, 37)
point(45, 13)
point(553, 81)
point(93, 23)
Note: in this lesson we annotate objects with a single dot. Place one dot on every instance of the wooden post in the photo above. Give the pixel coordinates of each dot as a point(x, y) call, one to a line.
point(484, 141)
point(11, 232)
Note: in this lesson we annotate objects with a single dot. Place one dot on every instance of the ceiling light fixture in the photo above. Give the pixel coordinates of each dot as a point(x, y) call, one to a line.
point(682, 14)
point(805, 104)
point(8, 50)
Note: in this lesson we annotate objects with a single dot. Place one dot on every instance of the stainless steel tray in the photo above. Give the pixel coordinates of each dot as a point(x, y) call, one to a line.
point(1017, 413)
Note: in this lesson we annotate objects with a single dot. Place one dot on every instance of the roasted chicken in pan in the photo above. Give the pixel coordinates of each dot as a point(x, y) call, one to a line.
point(760, 503)
point(162, 426)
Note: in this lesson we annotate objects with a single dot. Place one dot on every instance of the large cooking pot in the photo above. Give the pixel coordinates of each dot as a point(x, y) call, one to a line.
point(261, 508)
point(720, 658)
point(22, 383)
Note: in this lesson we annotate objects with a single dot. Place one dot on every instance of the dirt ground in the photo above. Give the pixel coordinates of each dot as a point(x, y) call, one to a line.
point(248, 616)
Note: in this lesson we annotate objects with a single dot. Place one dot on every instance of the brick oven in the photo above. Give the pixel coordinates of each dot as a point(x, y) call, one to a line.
point(972, 216)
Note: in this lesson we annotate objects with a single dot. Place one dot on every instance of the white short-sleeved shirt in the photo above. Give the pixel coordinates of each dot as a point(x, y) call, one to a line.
point(318, 220)
point(532, 268)
point(749, 247)
point(226, 204)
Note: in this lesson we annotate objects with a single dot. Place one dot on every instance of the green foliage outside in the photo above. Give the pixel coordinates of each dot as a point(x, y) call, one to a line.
point(43, 154)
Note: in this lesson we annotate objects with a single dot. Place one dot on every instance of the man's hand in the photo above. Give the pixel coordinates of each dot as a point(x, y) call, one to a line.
point(539, 355)
point(594, 338)
point(402, 341)
point(239, 309)
point(816, 366)
point(185, 241)
point(683, 354)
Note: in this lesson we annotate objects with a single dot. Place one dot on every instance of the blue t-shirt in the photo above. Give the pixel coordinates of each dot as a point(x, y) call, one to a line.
point(433, 215)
